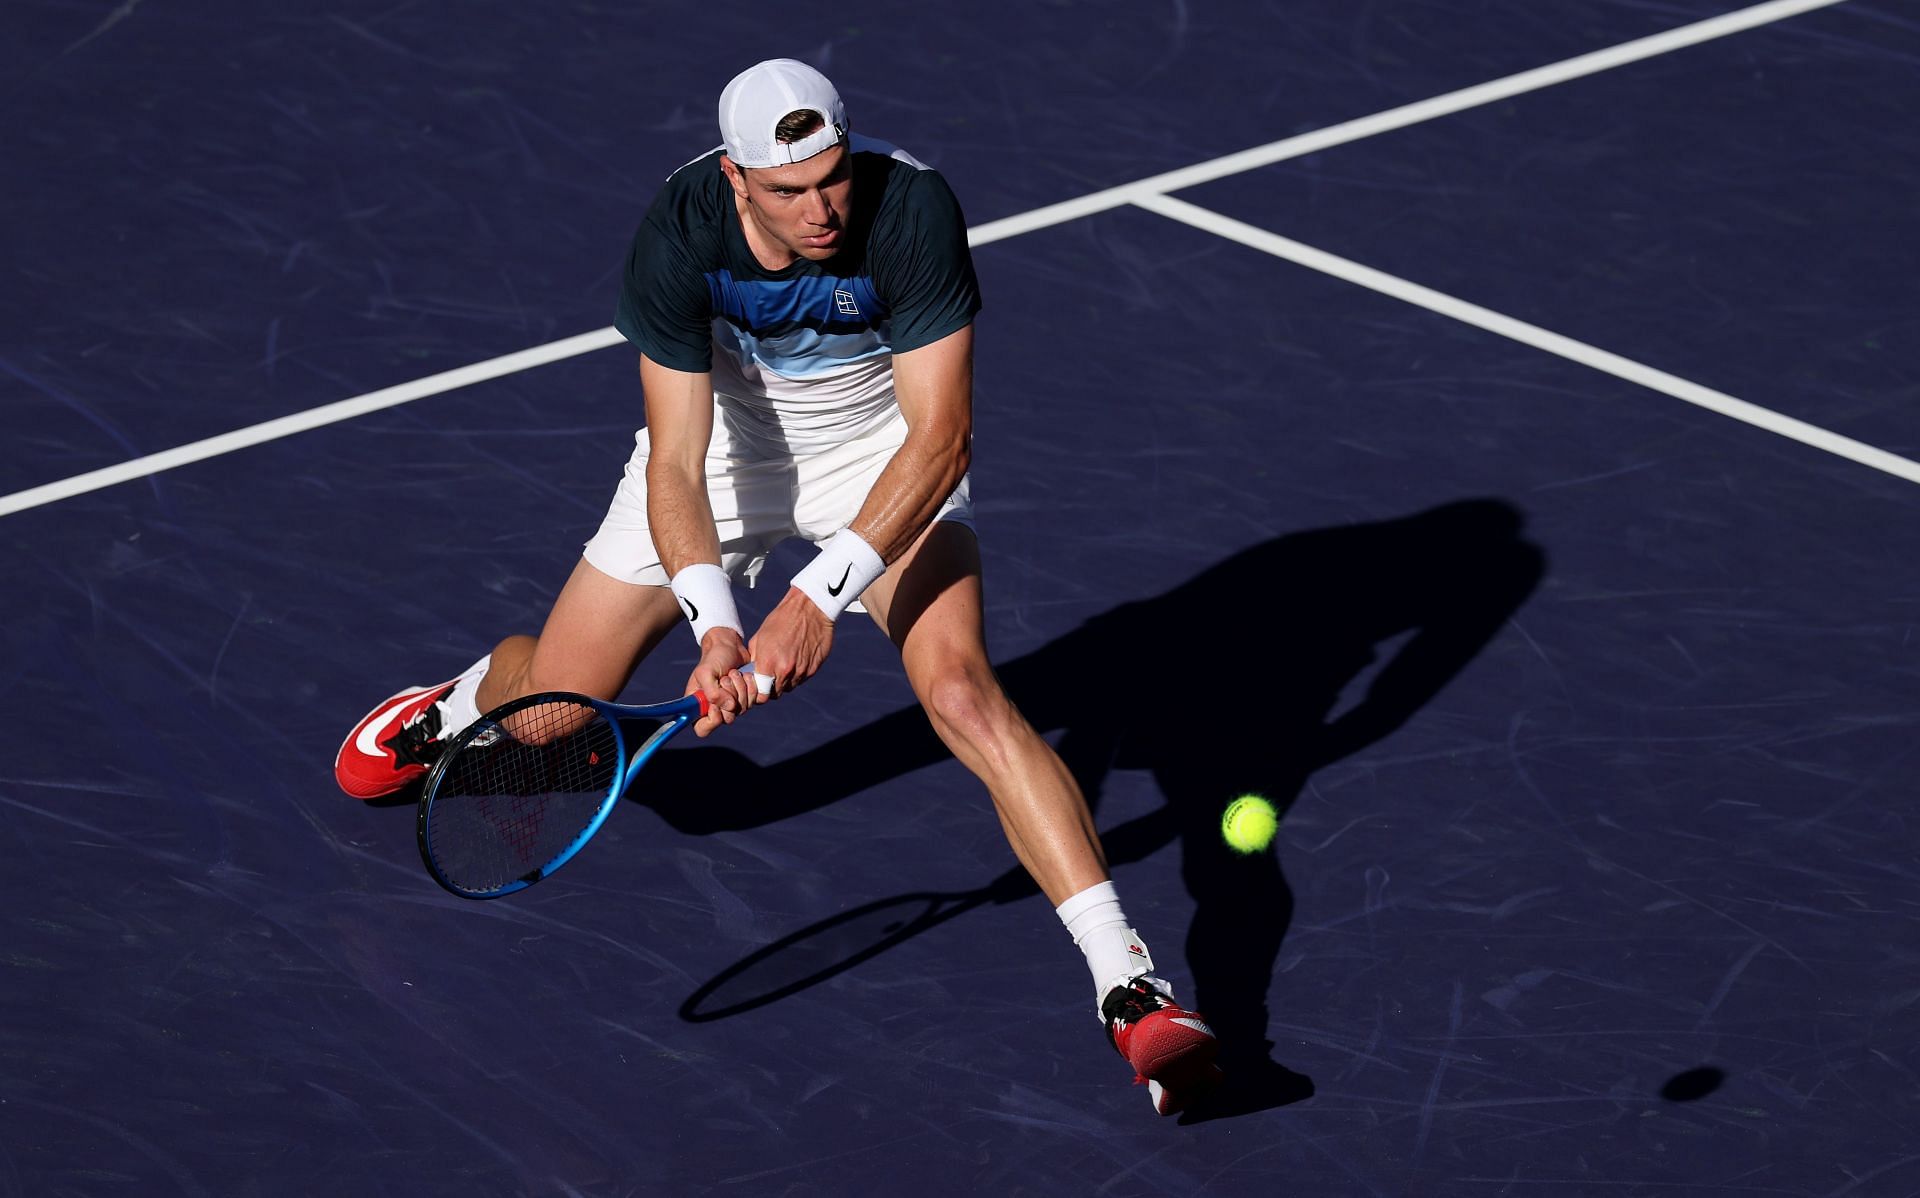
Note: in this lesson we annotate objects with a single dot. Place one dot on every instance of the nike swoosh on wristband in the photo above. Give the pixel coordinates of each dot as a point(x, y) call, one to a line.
point(693, 613)
point(368, 741)
point(835, 589)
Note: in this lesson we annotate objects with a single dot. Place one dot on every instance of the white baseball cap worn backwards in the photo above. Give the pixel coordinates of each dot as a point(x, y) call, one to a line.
point(761, 96)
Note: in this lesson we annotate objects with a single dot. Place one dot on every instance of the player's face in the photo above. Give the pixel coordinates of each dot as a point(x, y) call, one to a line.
point(796, 211)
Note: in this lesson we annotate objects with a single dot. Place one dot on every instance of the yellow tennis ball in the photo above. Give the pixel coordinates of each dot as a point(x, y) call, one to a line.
point(1249, 824)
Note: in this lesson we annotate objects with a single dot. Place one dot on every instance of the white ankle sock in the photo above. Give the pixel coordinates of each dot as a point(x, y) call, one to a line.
point(463, 705)
point(1114, 951)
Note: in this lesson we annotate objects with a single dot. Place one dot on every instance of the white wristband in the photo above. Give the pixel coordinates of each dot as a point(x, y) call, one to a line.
point(846, 566)
point(706, 595)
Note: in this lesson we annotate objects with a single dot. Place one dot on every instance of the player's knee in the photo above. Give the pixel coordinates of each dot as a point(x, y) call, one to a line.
point(966, 704)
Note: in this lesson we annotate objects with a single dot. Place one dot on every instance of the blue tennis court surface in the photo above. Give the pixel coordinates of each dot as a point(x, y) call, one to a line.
point(1587, 690)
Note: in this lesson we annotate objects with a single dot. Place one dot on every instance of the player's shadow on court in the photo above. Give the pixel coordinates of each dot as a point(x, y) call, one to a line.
point(1245, 665)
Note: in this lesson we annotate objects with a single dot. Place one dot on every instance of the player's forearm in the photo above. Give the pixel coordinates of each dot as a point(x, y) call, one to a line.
point(910, 491)
point(679, 426)
point(934, 385)
point(680, 517)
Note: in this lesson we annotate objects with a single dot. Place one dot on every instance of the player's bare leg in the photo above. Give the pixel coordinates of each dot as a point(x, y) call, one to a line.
point(929, 604)
point(596, 635)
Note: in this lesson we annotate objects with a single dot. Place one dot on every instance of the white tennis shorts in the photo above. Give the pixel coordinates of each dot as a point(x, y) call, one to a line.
point(757, 501)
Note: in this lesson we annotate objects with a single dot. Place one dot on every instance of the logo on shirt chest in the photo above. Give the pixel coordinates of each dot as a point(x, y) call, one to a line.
point(843, 302)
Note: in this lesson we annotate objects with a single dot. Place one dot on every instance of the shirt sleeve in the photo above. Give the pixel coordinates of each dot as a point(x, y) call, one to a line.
point(922, 267)
point(665, 309)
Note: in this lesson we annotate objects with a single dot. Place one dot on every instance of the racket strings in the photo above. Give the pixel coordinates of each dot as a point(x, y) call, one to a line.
point(518, 794)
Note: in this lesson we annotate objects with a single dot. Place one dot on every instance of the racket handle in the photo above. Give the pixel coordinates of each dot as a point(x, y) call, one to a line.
point(761, 682)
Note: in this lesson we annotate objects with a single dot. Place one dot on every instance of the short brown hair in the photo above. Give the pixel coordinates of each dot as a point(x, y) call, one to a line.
point(796, 125)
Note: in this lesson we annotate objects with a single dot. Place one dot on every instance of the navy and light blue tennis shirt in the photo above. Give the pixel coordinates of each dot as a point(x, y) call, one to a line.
point(801, 357)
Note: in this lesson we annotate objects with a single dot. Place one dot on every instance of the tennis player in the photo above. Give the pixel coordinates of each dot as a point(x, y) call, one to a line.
point(802, 300)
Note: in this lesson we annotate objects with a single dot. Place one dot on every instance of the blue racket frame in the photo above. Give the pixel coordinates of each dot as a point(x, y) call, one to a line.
point(676, 715)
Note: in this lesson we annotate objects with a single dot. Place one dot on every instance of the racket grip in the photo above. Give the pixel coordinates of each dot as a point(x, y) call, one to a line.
point(762, 682)
point(706, 704)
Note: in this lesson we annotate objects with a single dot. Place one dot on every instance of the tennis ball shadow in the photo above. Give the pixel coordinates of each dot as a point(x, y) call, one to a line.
point(1693, 1085)
point(1394, 609)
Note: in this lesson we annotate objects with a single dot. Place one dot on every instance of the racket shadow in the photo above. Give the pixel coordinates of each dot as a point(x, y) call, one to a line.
point(1393, 610)
point(824, 950)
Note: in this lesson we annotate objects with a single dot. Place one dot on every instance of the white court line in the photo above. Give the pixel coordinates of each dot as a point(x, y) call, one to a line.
point(1533, 335)
point(1400, 118)
point(312, 418)
point(1039, 218)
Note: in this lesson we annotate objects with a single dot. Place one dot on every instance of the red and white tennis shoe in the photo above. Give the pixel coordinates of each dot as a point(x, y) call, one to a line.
point(1171, 1049)
point(397, 742)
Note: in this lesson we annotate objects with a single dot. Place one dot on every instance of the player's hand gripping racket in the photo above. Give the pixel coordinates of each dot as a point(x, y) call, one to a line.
point(517, 794)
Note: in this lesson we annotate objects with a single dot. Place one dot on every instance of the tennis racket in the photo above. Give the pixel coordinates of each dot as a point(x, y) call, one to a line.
point(518, 793)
